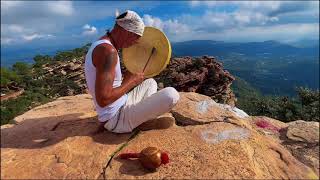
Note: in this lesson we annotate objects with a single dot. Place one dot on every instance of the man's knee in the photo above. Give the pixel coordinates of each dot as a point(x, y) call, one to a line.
point(151, 82)
point(172, 95)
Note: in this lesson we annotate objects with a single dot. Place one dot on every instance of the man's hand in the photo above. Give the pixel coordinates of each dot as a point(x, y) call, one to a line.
point(133, 79)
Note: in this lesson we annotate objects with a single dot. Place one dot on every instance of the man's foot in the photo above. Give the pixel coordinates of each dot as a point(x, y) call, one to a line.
point(164, 121)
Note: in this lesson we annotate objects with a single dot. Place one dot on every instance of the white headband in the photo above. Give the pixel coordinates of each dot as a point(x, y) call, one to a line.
point(132, 22)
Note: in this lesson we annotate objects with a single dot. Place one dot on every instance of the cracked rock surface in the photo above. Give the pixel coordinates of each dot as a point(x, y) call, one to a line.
point(61, 140)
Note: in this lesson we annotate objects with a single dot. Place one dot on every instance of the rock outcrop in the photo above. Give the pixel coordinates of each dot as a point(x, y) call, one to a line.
point(73, 70)
point(302, 139)
point(204, 75)
point(12, 95)
point(201, 109)
point(61, 139)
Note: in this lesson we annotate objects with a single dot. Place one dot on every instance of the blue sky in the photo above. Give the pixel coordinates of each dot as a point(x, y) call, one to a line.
point(48, 25)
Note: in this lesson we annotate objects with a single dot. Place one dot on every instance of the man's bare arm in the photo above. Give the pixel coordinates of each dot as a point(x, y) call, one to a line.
point(105, 60)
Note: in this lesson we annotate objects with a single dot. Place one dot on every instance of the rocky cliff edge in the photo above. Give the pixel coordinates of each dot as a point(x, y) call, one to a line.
point(204, 139)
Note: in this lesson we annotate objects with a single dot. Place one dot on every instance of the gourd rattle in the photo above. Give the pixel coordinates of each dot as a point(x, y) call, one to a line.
point(150, 158)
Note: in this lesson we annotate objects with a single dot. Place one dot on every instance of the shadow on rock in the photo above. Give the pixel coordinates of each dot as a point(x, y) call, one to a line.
point(131, 167)
point(38, 133)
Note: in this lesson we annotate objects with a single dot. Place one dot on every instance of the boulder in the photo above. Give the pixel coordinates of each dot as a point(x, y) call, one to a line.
point(303, 131)
point(194, 108)
point(301, 138)
point(203, 75)
point(63, 72)
point(72, 66)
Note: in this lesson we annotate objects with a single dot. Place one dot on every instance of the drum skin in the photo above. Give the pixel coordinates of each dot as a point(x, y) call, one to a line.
point(135, 57)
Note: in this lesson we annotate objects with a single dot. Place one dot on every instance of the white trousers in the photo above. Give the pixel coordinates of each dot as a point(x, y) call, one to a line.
point(144, 103)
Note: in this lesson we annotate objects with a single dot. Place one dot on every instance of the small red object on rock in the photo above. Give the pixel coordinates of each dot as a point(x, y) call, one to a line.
point(150, 158)
point(266, 125)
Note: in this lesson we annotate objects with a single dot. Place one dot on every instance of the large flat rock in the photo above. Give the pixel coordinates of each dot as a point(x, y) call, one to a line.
point(57, 140)
point(218, 150)
point(61, 140)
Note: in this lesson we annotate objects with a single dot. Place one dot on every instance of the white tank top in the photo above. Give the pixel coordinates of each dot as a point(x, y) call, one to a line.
point(107, 112)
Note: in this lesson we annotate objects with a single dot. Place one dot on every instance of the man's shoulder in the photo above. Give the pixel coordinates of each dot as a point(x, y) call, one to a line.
point(105, 48)
point(104, 52)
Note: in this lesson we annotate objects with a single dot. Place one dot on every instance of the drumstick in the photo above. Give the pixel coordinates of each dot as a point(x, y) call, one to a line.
point(152, 51)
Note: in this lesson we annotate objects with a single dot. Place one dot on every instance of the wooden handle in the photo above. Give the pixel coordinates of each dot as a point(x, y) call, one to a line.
point(129, 155)
point(152, 51)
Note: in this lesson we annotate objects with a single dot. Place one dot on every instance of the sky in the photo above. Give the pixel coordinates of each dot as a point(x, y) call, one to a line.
point(41, 26)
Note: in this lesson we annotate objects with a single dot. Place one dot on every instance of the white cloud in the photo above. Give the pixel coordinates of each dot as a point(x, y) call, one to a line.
point(31, 37)
point(25, 38)
point(174, 27)
point(245, 21)
point(207, 3)
point(6, 40)
point(35, 21)
point(217, 21)
point(267, 8)
point(14, 28)
point(61, 18)
point(86, 26)
point(236, 26)
point(263, 19)
point(64, 8)
point(89, 30)
point(5, 5)
point(13, 33)
point(36, 36)
point(153, 21)
point(282, 33)
point(17, 12)
point(254, 18)
point(244, 4)
point(259, 5)
point(25, 21)
point(169, 26)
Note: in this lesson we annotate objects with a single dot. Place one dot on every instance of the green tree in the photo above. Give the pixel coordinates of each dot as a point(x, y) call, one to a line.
point(40, 60)
point(309, 100)
point(305, 106)
point(24, 71)
point(64, 56)
point(8, 76)
point(21, 68)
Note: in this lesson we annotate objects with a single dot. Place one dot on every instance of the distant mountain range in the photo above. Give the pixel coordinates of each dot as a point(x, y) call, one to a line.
point(306, 43)
point(273, 68)
point(220, 48)
point(9, 55)
point(270, 66)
